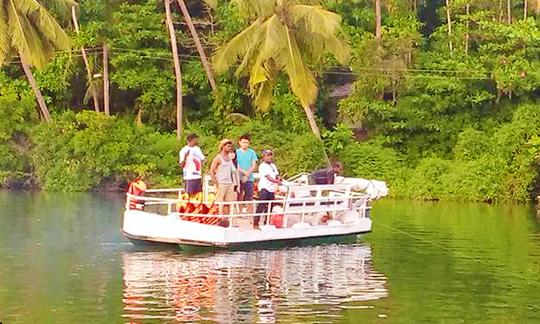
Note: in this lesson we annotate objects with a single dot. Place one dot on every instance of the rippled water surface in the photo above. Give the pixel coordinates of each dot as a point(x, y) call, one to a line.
point(62, 260)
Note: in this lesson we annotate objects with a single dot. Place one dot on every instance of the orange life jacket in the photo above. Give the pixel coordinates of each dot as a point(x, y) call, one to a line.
point(182, 203)
point(136, 188)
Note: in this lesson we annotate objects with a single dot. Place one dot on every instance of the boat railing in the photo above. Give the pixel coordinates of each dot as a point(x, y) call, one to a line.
point(331, 200)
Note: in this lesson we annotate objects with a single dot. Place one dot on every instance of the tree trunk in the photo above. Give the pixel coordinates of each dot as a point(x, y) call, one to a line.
point(525, 8)
point(37, 92)
point(509, 11)
point(106, 84)
point(86, 63)
point(378, 23)
point(312, 121)
point(177, 71)
point(206, 65)
point(315, 128)
point(449, 23)
point(467, 8)
point(501, 15)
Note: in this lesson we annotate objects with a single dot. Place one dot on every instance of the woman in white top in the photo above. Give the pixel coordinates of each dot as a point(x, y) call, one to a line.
point(268, 183)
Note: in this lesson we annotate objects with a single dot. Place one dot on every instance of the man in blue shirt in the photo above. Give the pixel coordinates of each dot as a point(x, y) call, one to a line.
point(247, 161)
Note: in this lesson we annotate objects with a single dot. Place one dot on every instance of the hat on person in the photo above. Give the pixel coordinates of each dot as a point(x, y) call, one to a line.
point(265, 152)
point(224, 142)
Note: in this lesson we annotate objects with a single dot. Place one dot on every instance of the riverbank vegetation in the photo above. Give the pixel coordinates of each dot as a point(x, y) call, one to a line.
point(438, 98)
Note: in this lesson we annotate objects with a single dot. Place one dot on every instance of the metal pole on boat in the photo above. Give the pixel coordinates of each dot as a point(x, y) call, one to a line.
point(268, 213)
point(303, 211)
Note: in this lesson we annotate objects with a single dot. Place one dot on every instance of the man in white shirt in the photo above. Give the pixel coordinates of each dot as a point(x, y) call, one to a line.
point(191, 161)
point(268, 183)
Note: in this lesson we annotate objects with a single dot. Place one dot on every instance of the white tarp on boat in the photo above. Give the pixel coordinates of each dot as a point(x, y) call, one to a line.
point(375, 188)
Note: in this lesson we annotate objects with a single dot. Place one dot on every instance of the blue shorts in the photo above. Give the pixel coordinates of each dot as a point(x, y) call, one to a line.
point(193, 186)
point(246, 190)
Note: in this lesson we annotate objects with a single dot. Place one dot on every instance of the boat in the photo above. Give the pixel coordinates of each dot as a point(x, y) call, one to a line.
point(300, 214)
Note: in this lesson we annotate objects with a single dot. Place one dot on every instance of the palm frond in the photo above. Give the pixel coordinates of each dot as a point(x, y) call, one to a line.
point(316, 19)
point(262, 97)
point(17, 29)
point(303, 83)
point(255, 8)
point(61, 8)
point(247, 61)
point(259, 74)
point(212, 4)
point(228, 54)
point(261, 83)
point(46, 23)
point(318, 31)
point(238, 118)
point(34, 32)
point(339, 48)
point(273, 38)
point(5, 45)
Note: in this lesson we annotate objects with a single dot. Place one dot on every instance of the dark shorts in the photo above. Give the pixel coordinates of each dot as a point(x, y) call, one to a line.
point(247, 189)
point(263, 207)
point(193, 186)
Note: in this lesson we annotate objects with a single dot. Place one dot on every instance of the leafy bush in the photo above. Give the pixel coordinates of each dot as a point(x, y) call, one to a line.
point(500, 165)
point(78, 151)
point(370, 160)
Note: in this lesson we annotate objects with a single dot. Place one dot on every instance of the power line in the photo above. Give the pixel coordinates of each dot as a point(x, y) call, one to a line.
point(333, 67)
point(145, 54)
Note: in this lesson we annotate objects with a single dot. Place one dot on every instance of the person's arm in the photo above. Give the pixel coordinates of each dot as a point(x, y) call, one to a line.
point(330, 176)
point(213, 168)
point(253, 165)
point(241, 171)
point(271, 179)
point(203, 158)
point(238, 185)
point(278, 181)
point(183, 158)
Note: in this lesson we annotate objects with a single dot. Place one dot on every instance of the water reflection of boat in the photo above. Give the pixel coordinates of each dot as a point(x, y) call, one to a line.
point(255, 286)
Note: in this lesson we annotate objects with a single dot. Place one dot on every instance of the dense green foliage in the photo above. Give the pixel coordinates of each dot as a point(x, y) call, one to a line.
point(437, 115)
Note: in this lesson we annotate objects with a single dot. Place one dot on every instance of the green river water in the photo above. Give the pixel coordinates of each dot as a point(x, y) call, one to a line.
point(63, 260)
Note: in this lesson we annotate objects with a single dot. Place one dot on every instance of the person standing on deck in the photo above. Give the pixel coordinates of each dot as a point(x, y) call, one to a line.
point(326, 176)
point(224, 175)
point(247, 162)
point(268, 183)
point(191, 161)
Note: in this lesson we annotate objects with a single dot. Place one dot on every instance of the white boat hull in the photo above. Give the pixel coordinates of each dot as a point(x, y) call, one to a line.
point(150, 227)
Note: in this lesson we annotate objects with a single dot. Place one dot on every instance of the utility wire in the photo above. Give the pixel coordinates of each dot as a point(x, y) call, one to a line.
point(146, 54)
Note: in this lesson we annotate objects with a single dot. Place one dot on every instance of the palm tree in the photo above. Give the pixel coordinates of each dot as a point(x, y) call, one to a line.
point(202, 54)
point(28, 29)
point(449, 24)
point(89, 73)
point(378, 19)
point(285, 35)
point(177, 71)
point(106, 83)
